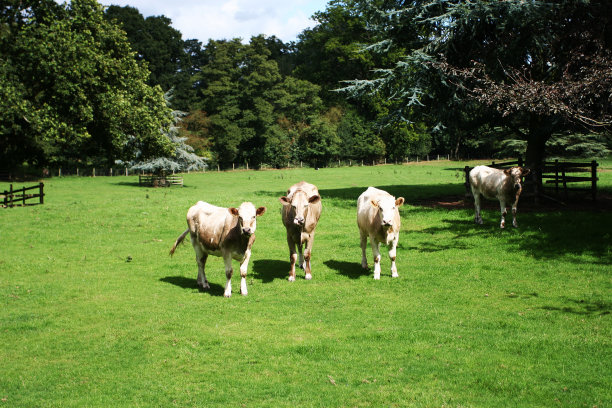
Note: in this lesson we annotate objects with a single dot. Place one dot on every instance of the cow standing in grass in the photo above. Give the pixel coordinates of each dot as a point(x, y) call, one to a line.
point(503, 185)
point(225, 232)
point(378, 218)
point(300, 213)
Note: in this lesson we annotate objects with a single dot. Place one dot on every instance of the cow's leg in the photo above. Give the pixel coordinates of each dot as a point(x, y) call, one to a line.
point(477, 217)
point(504, 212)
point(392, 253)
point(227, 258)
point(514, 205)
point(300, 247)
point(307, 254)
point(364, 244)
point(292, 256)
point(243, 272)
point(201, 257)
point(376, 253)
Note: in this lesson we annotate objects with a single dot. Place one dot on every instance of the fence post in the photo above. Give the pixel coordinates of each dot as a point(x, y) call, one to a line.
point(11, 196)
point(126, 173)
point(594, 179)
point(41, 194)
point(77, 172)
point(466, 170)
point(59, 174)
point(557, 177)
point(94, 172)
point(111, 172)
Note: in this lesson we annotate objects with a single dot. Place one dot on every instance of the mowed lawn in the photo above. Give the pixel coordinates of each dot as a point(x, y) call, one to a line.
point(95, 313)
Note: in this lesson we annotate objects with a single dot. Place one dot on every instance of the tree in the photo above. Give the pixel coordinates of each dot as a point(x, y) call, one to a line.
point(523, 65)
point(169, 59)
point(183, 159)
point(76, 91)
point(253, 110)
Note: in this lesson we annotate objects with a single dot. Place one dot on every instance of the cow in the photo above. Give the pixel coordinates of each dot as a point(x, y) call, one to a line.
point(300, 213)
point(378, 218)
point(503, 185)
point(224, 232)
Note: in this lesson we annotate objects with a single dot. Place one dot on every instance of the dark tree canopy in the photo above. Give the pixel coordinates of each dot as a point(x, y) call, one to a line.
point(72, 90)
point(510, 63)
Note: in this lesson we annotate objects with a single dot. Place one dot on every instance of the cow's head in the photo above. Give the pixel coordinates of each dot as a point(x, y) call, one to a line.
point(387, 206)
point(516, 174)
point(299, 203)
point(247, 214)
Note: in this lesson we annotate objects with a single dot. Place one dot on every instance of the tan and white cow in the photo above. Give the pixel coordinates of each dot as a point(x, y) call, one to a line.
point(300, 213)
point(503, 185)
point(378, 218)
point(224, 232)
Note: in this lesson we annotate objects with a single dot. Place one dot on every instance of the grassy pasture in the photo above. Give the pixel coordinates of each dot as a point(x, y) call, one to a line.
point(93, 311)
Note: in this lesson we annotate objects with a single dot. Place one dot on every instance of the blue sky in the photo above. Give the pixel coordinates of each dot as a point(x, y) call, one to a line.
point(226, 19)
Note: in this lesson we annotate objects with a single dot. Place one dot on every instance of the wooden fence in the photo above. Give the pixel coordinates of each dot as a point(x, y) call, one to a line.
point(160, 181)
point(12, 198)
point(557, 173)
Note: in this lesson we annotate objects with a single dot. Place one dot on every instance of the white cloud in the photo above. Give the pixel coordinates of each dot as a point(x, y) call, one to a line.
point(226, 19)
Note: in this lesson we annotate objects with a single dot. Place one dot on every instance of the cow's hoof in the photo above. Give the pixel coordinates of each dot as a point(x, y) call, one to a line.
point(364, 265)
point(308, 276)
point(244, 293)
point(227, 295)
point(291, 278)
point(394, 275)
point(376, 277)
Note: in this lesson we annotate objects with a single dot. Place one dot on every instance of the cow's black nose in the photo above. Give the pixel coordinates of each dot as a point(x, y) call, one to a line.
point(517, 186)
point(246, 231)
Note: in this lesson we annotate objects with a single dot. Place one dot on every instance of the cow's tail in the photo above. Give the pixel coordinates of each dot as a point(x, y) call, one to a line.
point(178, 241)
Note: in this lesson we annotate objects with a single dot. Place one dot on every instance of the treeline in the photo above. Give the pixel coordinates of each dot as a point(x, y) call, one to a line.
point(371, 81)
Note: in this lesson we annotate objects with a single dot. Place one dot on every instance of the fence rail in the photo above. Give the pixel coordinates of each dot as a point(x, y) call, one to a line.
point(160, 181)
point(12, 198)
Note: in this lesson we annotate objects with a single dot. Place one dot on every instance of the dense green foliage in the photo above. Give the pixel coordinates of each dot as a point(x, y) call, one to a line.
point(480, 78)
point(522, 66)
point(95, 313)
point(72, 90)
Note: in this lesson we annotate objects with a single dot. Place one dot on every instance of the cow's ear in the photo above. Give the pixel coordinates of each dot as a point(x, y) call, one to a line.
point(284, 200)
point(374, 203)
point(314, 199)
point(233, 211)
point(508, 172)
point(525, 171)
point(399, 202)
point(260, 211)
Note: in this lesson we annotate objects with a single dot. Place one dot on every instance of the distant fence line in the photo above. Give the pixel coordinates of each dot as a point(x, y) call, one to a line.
point(125, 171)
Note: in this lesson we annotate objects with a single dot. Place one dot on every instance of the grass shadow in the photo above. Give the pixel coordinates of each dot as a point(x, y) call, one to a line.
point(190, 283)
point(352, 270)
point(582, 307)
point(267, 270)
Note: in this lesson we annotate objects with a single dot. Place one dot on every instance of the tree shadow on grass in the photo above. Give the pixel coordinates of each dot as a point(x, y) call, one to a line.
point(352, 270)
point(582, 307)
point(190, 283)
point(269, 269)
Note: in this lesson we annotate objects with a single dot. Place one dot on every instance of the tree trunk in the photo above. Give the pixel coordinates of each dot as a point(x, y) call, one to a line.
point(540, 130)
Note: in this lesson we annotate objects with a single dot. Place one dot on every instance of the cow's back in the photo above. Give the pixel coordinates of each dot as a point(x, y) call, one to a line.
point(365, 211)
point(486, 180)
point(209, 224)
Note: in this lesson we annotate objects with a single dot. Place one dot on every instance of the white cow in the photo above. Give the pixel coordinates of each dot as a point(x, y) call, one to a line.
point(378, 218)
point(225, 232)
point(503, 185)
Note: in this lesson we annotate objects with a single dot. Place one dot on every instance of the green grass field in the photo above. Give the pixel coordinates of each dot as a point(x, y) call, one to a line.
point(95, 313)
